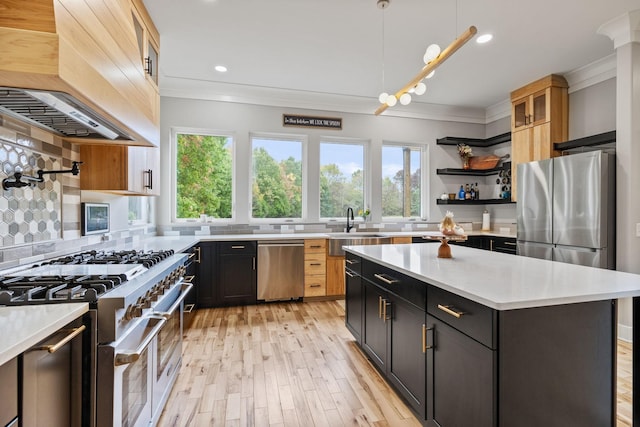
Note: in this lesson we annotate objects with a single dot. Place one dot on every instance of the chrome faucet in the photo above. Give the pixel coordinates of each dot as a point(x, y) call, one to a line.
point(349, 225)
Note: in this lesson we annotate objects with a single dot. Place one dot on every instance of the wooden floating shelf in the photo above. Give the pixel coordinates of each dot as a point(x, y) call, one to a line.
point(474, 202)
point(475, 142)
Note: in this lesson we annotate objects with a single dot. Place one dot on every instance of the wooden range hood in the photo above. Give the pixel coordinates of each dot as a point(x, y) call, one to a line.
point(88, 50)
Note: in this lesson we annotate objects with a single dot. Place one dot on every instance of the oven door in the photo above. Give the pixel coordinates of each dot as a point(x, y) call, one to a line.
point(169, 345)
point(125, 376)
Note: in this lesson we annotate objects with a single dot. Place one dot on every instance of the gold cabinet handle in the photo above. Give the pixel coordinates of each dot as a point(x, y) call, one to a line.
point(510, 243)
point(350, 261)
point(188, 279)
point(57, 346)
point(379, 307)
point(425, 347)
point(349, 274)
point(199, 259)
point(491, 244)
point(385, 304)
point(237, 247)
point(449, 309)
point(383, 277)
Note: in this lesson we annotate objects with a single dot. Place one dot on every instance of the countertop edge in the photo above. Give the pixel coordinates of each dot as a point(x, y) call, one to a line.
point(28, 337)
point(514, 305)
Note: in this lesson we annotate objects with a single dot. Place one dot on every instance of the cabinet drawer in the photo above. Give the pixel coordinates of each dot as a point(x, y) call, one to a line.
point(238, 247)
point(473, 319)
point(405, 287)
point(353, 262)
point(315, 286)
point(315, 246)
point(505, 245)
point(314, 265)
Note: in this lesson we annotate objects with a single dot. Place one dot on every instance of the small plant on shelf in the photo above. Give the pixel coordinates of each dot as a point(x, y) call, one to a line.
point(465, 153)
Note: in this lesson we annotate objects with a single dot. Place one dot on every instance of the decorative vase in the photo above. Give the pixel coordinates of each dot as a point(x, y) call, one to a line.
point(465, 163)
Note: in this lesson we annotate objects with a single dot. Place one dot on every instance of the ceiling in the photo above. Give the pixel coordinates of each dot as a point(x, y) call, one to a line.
point(287, 50)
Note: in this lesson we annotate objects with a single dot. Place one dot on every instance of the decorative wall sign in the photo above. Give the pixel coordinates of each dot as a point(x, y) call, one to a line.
point(311, 121)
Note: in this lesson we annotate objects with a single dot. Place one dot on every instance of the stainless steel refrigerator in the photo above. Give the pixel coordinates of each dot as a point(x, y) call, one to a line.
point(566, 209)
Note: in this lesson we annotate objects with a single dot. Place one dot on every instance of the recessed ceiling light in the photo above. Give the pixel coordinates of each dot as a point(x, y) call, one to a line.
point(484, 38)
point(221, 68)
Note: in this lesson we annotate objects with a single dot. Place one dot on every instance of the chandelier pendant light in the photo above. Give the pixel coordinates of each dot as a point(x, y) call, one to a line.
point(413, 85)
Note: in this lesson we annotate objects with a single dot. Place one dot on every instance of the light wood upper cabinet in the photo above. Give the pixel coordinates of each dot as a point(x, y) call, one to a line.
point(131, 171)
point(88, 50)
point(148, 39)
point(539, 119)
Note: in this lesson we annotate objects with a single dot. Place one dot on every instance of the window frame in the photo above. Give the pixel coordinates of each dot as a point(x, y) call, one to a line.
point(174, 173)
point(293, 137)
point(366, 167)
point(424, 179)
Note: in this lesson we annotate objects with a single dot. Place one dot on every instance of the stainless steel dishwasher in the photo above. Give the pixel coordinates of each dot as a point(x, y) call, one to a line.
point(280, 270)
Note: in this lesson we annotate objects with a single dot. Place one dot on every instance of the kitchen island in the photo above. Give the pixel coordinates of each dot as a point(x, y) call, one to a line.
point(488, 339)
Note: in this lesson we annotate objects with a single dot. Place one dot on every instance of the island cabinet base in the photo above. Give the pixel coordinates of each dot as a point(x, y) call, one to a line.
point(543, 366)
point(557, 365)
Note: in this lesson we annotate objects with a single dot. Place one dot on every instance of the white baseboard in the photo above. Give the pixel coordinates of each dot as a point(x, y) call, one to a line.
point(625, 333)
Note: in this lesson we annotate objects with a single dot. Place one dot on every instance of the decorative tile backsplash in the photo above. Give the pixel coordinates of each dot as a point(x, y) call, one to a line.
point(29, 214)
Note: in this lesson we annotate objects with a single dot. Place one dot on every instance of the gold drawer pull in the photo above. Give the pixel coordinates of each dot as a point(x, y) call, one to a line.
point(57, 346)
point(383, 277)
point(237, 247)
point(349, 274)
point(379, 307)
point(350, 261)
point(189, 279)
point(510, 243)
point(449, 309)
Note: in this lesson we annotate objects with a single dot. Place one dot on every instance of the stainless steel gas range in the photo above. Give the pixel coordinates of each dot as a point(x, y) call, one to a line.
point(132, 342)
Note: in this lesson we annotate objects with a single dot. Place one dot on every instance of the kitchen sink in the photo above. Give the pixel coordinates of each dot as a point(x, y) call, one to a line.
point(338, 240)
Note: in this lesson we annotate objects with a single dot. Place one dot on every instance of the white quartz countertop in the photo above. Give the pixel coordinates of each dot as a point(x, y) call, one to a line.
point(502, 281)
point(181, 243)
point(23, 327)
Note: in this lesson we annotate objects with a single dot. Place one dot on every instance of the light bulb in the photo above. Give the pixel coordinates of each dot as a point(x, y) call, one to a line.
point(484, 38)
point(391, 100)
point(405, 99)
point(420, 88)
point(383, 97)
point(431, 74)
point(431, 53)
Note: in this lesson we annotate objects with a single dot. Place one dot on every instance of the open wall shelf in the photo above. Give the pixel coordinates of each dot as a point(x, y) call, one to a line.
point(474, 202)
point(475, 142)
point(474, 172)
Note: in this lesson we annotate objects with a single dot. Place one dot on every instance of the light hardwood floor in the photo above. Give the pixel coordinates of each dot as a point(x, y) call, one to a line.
point(293, 364)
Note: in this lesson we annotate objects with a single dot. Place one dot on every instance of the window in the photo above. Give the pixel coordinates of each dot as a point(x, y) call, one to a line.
point(276, 184)
point(401, 181)
point(204, 181)
point(139, 210)
point(342, 178)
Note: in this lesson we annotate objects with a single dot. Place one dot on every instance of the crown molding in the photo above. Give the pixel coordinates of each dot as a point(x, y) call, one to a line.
point(176, 87)
point(592, 74)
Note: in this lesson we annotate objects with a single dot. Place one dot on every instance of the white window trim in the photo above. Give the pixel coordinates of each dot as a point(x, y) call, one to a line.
point(304, 140)
point(424, 180)
point(366, 164)
point(174, 173)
